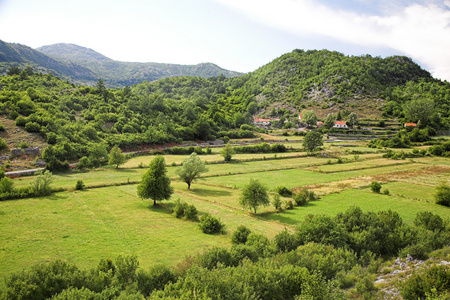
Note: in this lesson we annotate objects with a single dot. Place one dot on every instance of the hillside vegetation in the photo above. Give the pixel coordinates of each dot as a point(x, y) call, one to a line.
point(177, 109)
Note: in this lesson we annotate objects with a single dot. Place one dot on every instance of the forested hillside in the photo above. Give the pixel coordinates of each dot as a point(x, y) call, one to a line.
point(73, 118)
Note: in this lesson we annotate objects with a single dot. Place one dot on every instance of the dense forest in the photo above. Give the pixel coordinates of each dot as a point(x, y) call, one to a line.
point(74, 118)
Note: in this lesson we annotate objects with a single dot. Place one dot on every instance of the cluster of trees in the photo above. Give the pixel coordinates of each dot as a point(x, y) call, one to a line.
point(41, 186)
point(324, 256)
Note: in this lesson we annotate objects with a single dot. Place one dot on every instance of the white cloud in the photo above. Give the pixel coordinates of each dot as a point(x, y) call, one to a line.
point(418, 30)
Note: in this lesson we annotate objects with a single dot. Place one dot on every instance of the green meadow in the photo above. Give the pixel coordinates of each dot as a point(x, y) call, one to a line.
point(109, 219)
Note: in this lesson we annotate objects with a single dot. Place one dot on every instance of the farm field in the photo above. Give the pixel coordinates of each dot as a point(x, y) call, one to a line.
point(82, 227)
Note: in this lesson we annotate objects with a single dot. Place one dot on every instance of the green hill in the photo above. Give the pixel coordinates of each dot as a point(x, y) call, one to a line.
point(20, 55)
point(176, 109)
point(119, 74)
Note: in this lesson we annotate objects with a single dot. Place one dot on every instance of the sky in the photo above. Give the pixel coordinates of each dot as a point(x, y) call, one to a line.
point(239, 35)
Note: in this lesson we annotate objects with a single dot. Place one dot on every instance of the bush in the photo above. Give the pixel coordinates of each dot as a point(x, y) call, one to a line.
point(80, 185)
point(284, 191)
point(277, 202)
point(210, 225)
point(3, 144)
point(2, 128)
point(13, 115)
point(20, 121)
point(375, 187)
point(179, 209)
point(429, 221)
point(431, 280)
point(240, 235)
point(6, 185)
point(289, 204)
point(23, 145)
point(304, 196)
point(191, 213)
point(32, 127)
point(442, 195)
point(301, 199)
point(286, 241)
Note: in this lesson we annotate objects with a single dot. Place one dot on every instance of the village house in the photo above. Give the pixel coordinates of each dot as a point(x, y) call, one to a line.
point(340, 124)
point(261, 122)
point(410, 124)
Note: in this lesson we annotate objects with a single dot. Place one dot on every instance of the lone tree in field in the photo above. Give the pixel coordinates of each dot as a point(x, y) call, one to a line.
point(155, 183)
point(116, 157)
point(191, 169)
point(227, 152)
point(253, 195)
point(312, 140)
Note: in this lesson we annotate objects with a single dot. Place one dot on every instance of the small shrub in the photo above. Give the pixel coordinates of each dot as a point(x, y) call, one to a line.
point(301, 199)
point(140, 165)
point(32, 127)
point(442, 194)
point(191, 213)
point(210, 225)
point(240, 235)
point(23, 145)
point(80, 185)
point(174, 164)
point(277, 202)
point(304, 196)
point(289, 204)
point(2, 128)
point(432, 280)
point(179, 208)
point(284, 191)
point(429, 221)
point(385, 192)
point(375, 187)
point(20, 121)
point(3, 144)
point(13, 115)
point(6, 185)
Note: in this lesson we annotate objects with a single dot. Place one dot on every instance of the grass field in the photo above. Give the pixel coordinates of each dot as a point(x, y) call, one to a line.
point(82, 227)
point(365, 199)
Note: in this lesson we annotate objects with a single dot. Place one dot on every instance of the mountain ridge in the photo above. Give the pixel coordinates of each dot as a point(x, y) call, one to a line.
point(85, 66)
point(119, 73)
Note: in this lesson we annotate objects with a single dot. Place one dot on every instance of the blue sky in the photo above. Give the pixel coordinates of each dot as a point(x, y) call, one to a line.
point(239, 35)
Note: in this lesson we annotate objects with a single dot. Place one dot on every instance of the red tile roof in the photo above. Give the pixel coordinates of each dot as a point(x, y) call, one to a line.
point(410, 124)
point(261, 120)
point(340, 123)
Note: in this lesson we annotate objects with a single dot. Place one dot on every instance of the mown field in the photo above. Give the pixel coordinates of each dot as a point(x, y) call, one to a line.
point(109, 219)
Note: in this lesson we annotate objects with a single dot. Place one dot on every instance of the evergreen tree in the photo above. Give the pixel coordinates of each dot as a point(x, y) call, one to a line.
point(155, 183)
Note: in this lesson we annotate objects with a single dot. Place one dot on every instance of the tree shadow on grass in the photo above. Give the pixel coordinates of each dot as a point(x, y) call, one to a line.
point(202, 192)
point(57, 196)
point(160, 207)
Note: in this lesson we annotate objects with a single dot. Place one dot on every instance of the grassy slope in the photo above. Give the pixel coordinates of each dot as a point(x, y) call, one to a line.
point(82, 227)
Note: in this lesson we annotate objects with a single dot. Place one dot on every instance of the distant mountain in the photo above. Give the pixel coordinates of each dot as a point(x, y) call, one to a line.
point(73, 53)
point(21, 55)
point(118, 74)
